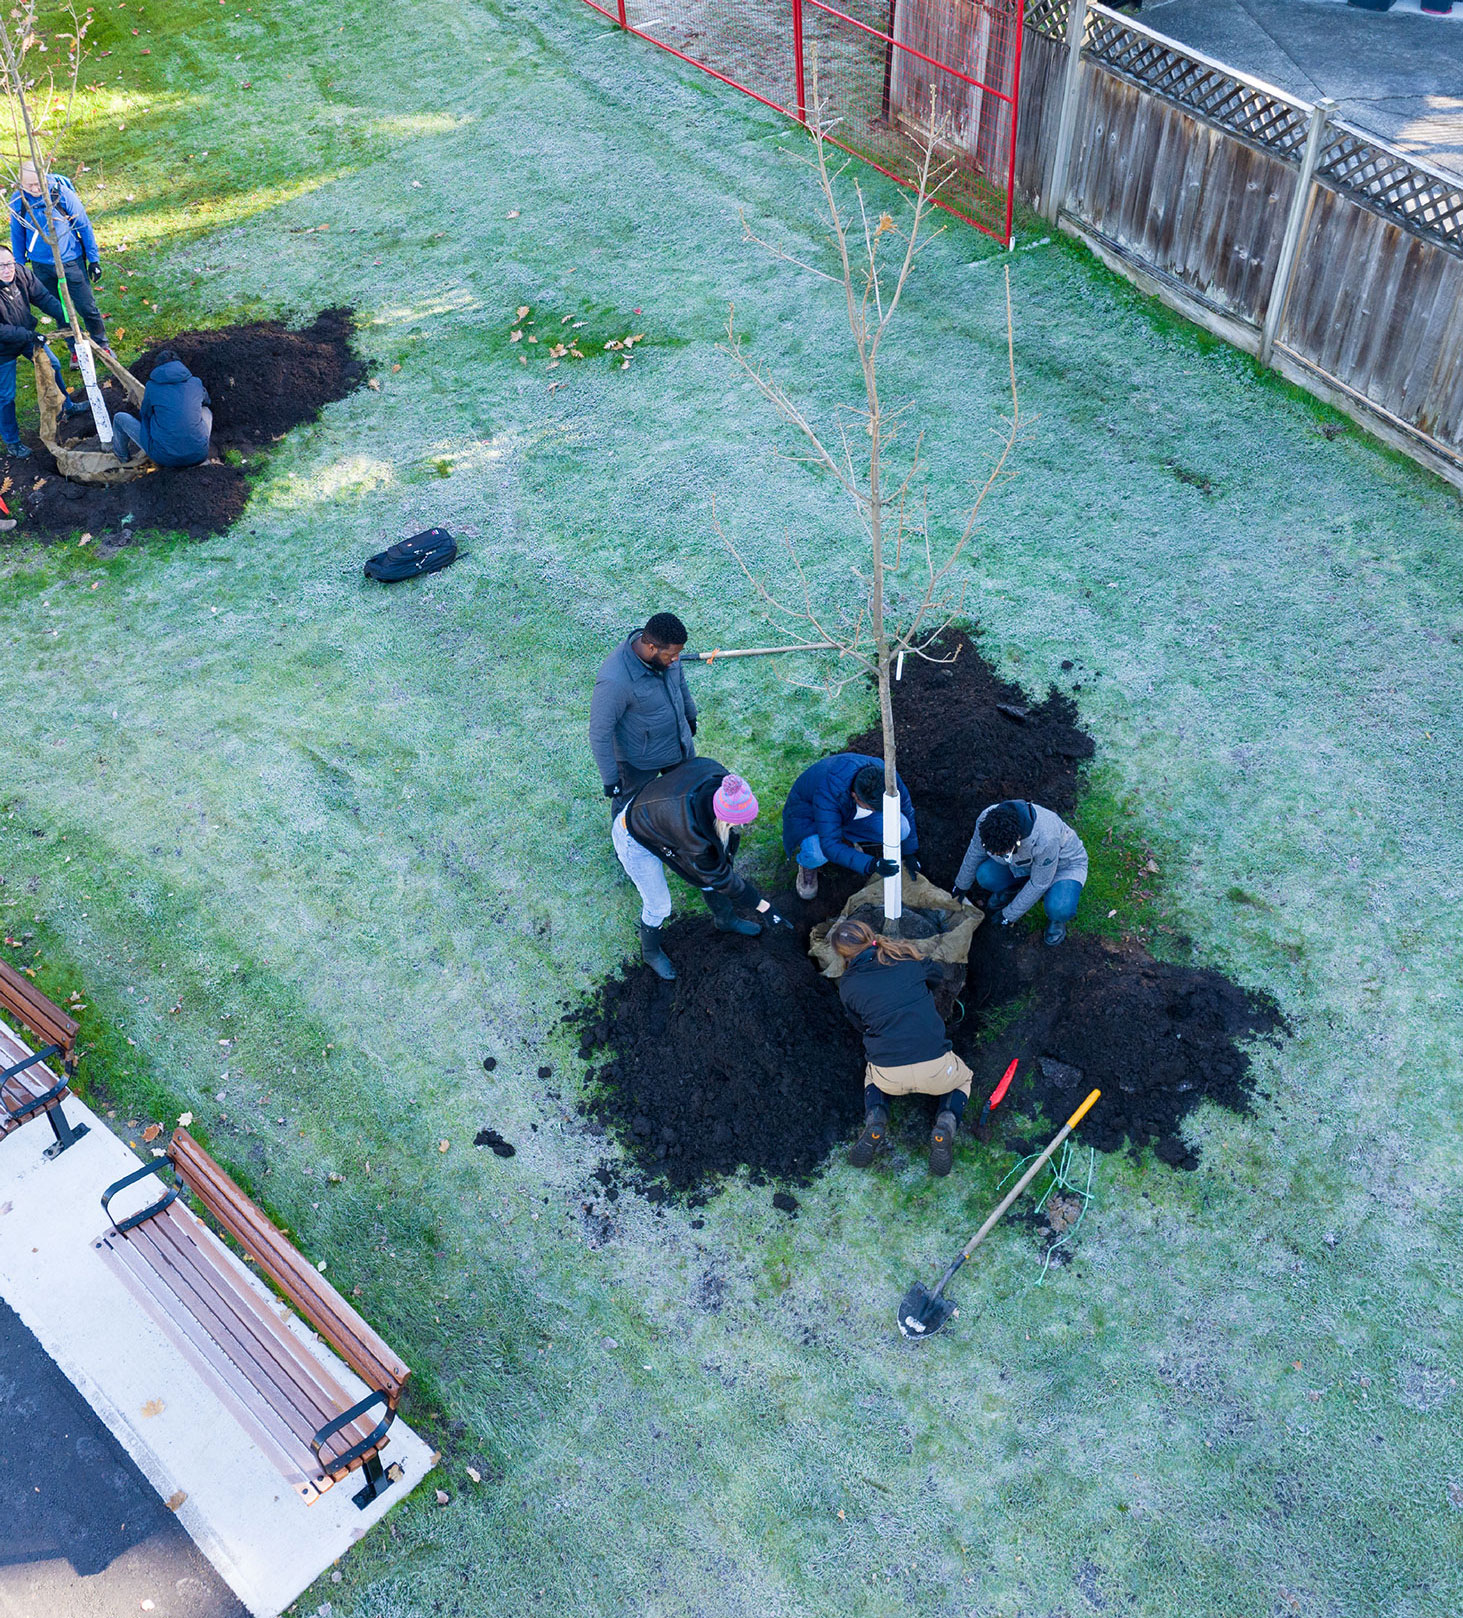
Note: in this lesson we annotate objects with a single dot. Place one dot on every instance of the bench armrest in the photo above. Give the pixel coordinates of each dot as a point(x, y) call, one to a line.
point(371, 1441)
point(124, 1225)
point(35, 1103)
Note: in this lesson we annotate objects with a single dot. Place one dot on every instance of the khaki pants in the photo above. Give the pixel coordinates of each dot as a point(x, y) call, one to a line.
point(934, 1078)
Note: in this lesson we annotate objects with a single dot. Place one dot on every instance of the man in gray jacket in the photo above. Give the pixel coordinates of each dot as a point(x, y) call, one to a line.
point(1018, 854)
point(642, 717)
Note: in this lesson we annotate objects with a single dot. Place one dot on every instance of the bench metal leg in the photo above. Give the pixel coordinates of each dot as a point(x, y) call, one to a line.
point(374, 1476)
point(67, 1134)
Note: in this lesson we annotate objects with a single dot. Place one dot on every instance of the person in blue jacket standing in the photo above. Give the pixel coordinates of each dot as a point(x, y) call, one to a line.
point(81, 259)
point(834, 816)
point(176, 418)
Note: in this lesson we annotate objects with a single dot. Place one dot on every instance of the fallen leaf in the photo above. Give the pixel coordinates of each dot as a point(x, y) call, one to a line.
point(522, 312)
point(563, 318)
point(334, 1178)
point(474, 1474)
point(355, 1292)
point(417, 184)
point(373, 384)
point(613, 343)
point(152, 1132)
point(153, 1407)
point(185, 1119)
point(515, 336)
point(513, 214)
point(1152, 866)
point(841, 1517)
point(175, 1499)
point(395, 367)
point(442, 1145)
point(442, 1497)
point(321, 1266)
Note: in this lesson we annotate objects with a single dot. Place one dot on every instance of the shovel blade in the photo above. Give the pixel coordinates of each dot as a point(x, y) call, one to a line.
point(921, 1314)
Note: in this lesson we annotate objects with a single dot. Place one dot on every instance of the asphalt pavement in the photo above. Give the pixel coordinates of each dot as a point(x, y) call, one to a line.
point(84, 1535)
point(1397, 74)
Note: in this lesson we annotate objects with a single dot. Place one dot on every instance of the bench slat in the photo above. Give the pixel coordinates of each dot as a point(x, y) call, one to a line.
point(24, 1001)
point(319, 1302)
point(22, 1087)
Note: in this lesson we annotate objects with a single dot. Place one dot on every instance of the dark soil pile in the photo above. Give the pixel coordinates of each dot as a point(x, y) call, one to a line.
point(1154, 1037)
point(263, 380)
point(745, 1060)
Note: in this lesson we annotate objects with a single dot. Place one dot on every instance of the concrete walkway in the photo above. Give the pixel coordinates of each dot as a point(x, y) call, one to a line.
point(1398, 73)
point(86, 1535)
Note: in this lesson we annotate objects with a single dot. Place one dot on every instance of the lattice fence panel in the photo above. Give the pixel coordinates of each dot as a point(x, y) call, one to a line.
point(1393, 185)
point(1048, 17)
point(1242, 108)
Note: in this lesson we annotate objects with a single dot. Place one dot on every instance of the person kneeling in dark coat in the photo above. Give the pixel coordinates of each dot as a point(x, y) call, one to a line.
point(176, 419)
point(885, 990)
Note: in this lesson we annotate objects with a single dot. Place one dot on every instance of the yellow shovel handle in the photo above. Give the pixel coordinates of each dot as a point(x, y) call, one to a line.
point(1083, 1110)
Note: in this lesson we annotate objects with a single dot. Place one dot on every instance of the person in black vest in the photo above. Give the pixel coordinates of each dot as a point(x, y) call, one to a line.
point(642, 717)
point(19, 289)
point(176, 421)
point(688, 818)
point(885, 990)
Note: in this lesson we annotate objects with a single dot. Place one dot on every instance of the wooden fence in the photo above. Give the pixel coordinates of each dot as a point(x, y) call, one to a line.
point(1267, 220)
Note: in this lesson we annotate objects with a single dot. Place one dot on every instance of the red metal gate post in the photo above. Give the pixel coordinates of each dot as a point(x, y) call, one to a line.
point(797, 58)
point(623, 22)
point(1020, 11)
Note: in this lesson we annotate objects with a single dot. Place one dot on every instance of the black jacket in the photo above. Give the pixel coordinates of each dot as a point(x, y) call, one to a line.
point(17, 323)
point(673, 818)
point(892, 1007)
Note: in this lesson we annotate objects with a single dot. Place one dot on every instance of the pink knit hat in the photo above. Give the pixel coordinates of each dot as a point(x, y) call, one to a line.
point(734, 802)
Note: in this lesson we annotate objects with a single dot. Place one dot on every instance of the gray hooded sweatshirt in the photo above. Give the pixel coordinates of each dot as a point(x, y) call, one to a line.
point(1050, 852)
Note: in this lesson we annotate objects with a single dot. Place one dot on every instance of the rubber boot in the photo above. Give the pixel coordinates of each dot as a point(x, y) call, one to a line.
point(876, 1126)
point(1056, 931)
point(727, 920)
point(653, 955)
point(807, 883)
point(942, 1144)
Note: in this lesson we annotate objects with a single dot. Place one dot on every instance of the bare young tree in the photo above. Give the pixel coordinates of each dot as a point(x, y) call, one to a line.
point(906, 595)
point(41, 101)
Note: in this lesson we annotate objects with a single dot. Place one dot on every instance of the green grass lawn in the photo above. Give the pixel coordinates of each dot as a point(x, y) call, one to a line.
point(310, 849)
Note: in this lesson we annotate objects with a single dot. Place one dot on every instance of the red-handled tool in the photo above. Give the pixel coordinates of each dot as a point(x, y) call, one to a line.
point(983, 1123)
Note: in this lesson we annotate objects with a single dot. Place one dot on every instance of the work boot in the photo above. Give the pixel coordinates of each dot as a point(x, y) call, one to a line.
point(807, 883)
point(876, 1126)
point(76, 407)
point(942, 1144)
point(16, 452)
point(653, 955)
point(1056, 931)
point(738, 924)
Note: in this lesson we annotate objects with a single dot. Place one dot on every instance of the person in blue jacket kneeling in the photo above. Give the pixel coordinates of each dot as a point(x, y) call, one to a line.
point(834, 816)
point(176, 419)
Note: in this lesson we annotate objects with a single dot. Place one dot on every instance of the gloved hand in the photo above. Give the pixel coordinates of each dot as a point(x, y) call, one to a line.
point(692, 723)
point(778, 921)
point(962, 895)
point(93, 270)
point(612, 790)
point(886, 867)
point(914, 865)
point(1005, 917)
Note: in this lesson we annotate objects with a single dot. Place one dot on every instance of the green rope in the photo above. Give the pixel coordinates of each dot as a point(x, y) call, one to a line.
point(1060, 1181)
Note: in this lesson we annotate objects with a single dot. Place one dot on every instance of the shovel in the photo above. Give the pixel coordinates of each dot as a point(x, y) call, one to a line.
point(922, 1312)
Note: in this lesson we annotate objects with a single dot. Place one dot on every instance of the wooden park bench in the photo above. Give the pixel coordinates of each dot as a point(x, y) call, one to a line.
point(28, 1086)
point(237, 1337)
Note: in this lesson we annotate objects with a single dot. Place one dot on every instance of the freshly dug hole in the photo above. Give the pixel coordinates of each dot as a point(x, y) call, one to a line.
point(263, 379)
point(747, 1059)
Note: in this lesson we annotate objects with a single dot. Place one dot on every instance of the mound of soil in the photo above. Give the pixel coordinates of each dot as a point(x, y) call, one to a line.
point(263, 380)
point(745, 1060)
point(1154, 1037)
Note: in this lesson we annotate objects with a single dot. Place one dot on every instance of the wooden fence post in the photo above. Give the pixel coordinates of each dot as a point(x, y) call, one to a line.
point(1294, 224)
point(1056, 196)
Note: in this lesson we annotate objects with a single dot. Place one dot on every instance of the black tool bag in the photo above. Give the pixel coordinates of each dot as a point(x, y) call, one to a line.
point(422, 553)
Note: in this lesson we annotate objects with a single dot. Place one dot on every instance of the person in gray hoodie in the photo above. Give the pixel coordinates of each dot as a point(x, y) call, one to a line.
point(1020, 853)
point(642, 717)
point(176, 419)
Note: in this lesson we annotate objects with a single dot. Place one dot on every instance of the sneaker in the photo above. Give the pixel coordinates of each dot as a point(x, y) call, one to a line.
point(942, 1145)
point(876, 1124)
point(807, 883)
point(16, 452)
point(1056, 931)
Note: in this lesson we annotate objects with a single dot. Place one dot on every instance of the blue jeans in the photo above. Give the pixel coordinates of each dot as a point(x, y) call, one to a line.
point(78, 289)
point(126, 427)
point(9, 426)
point(1003, 883)
point(810, 850)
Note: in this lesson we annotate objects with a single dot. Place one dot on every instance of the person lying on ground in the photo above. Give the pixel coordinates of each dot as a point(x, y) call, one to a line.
point(885, 990)
point(19, 289)
point(834, 815)
point(642, 717)
point(1019, 853)
point(81, 258)
point(176, 420)
point(688, 818)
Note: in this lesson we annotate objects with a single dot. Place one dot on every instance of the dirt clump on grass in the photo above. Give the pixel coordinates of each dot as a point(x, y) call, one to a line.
point(263, 379)
point(745, 1061)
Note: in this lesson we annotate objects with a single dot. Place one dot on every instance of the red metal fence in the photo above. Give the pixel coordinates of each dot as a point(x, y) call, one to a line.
point(882, 67)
